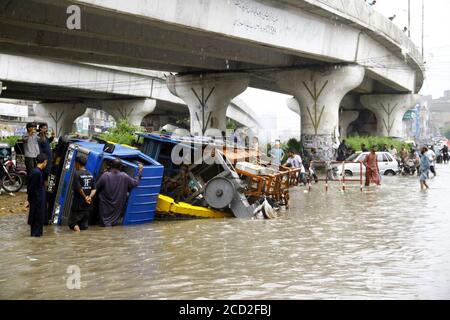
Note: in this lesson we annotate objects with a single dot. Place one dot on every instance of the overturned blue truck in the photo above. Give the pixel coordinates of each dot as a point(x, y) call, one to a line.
point(142, 200)
point(222, 185)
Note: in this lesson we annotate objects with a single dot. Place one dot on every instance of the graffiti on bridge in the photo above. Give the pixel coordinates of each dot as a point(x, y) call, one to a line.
point(315, 95)
point(390, 122)
point(203, 104)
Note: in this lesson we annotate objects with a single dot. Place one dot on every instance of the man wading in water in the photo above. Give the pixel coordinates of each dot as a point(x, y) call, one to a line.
point(113, 188)
point(372, 170)
point(36, 197)
point(83, 183)
point(424, 168)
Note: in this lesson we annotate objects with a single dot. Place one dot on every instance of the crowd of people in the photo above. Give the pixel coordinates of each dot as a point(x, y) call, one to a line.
point(111, 188)
point(424, 161)
point(38, 161)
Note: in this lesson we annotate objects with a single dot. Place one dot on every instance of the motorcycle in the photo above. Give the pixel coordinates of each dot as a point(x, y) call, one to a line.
point(445, 157)
point(408, 168)
point(9, 164)
point(439, 157)
point(10, 180)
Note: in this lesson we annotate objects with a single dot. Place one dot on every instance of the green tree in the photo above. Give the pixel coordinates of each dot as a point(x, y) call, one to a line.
point(123, 133)
point(294, 144)
point(12, 140)
point(379, 142)
point(232, 124)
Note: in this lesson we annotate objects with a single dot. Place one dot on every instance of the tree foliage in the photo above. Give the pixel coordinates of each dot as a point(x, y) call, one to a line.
point(369, 141)
point(123, 133)
point(294, 144)
point(11, 140)
point(232, 124)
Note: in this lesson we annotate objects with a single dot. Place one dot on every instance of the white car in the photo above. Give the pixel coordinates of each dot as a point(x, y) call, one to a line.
point(386, 163)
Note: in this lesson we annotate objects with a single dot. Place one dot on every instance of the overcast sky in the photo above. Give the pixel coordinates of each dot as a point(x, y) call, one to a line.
point(436, 47)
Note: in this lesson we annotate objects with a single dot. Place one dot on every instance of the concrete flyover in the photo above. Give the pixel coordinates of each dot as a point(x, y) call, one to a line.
point(66, 89)
point(259, 42)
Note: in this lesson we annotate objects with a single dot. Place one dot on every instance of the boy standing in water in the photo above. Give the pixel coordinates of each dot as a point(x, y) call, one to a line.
point(83, 183)
point(36, 197)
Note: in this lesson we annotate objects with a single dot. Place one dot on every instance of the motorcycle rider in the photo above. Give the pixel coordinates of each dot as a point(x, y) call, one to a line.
point(404, 155)
point(415, 159)
point(438, 155)
point(445, 154)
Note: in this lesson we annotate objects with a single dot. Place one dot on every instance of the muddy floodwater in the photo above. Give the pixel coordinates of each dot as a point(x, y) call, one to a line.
point(389, 242)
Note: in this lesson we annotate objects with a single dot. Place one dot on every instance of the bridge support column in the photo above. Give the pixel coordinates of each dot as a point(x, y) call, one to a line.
point(345, 118)
point(389, 110)
point(294, 106)
point(132, 110)
point(208, 97)
point(319, 92)
point(59, 116)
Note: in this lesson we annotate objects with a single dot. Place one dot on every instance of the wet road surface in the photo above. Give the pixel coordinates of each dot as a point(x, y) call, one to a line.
point(385, 243)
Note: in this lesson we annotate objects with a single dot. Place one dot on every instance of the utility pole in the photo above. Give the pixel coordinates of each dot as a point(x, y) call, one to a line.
point(409, 18)
point(423, 27)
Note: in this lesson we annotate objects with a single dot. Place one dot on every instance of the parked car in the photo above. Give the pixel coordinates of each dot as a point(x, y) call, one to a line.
point(386, 162)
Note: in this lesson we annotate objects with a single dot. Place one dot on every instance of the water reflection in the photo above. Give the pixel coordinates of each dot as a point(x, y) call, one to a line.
point(388, 242)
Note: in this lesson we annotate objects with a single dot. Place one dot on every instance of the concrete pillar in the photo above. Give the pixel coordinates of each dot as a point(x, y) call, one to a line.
point(389, 110)
point(133, 110)
point(59, 116)
point(345, 118)
point(319, 92)
point(293, 105)
point(208, 97)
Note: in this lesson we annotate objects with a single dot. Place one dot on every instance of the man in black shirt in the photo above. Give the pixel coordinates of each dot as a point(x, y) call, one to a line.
point(82, 186)
point(44, 147)
point(342, 151)
point(36, 197)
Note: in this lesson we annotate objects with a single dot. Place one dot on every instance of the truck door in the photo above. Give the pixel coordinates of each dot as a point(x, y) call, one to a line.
point(64, 195)
point(141, 204)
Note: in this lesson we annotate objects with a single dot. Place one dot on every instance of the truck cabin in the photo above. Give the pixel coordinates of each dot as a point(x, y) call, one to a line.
point(142, 199)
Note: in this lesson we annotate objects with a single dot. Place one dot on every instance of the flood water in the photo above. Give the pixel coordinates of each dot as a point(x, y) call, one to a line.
point(389, 242)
